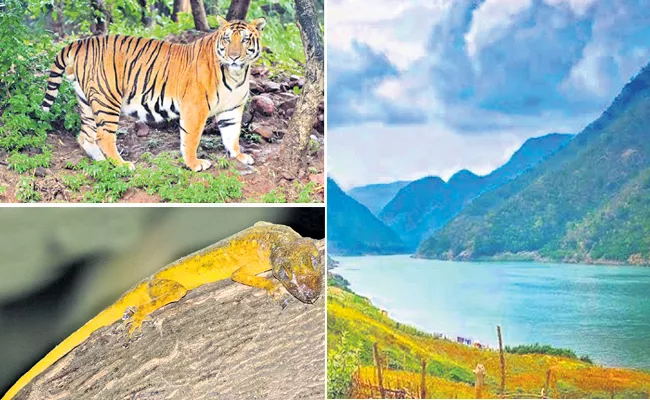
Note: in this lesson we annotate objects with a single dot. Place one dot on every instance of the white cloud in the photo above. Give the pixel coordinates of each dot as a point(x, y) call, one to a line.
point(491, 21)
point(397, 29)
point(587, 75)
point(579, 7)
point(367, 154)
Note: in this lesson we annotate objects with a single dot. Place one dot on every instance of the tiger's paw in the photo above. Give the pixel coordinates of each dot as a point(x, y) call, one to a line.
point(129, 165)
point(199, 165)
point(245, 159)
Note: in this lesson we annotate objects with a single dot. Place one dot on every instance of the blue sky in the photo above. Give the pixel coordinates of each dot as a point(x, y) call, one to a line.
point(429, 87)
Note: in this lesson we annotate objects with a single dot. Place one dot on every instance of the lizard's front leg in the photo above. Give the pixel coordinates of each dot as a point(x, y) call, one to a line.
point(229, 123)
point(247, 275)
point(161, 292)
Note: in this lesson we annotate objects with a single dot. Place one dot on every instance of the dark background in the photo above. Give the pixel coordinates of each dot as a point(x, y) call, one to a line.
point(59, 267)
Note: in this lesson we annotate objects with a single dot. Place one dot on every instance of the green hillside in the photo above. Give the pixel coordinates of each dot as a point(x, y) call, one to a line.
point(353, 230)
point(376, 196)
point(584, 203)
point(425, 205)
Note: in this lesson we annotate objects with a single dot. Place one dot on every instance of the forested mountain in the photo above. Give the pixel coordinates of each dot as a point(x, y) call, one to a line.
point(353, 230)
point(425, 205)
point(587, 202)
point(376, 196)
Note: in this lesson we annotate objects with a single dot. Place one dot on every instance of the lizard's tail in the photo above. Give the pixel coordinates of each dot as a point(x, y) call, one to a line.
point(56, 76)
point(62, 349)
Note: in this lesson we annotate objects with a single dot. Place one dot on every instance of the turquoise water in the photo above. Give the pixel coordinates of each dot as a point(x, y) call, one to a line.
point(601, 311)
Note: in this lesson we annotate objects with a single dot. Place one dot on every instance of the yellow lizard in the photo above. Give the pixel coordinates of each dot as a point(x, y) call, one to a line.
point(294, 260)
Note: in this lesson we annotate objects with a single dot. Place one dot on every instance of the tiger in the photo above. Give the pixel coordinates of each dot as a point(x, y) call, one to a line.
point(155, 80)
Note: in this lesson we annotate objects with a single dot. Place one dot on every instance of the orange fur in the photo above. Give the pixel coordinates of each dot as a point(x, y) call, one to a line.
point(156, 80)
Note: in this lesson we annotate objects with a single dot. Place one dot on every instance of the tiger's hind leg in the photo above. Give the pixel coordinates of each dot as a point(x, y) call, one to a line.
point(87, 138)
point(106, 119)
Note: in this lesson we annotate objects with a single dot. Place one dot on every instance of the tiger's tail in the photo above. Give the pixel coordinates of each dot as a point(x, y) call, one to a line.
point(56, 76)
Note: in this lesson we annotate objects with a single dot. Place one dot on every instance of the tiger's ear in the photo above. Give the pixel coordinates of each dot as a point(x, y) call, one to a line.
point(221, 20)
point(259, 24)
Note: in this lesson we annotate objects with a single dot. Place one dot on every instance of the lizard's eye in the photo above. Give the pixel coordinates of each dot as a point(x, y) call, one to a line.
point(315, 263)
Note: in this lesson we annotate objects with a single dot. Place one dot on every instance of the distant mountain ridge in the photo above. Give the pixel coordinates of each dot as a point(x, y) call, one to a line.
point(353, 230)
point(588, 202)
point(425, 205)
point(376, 196)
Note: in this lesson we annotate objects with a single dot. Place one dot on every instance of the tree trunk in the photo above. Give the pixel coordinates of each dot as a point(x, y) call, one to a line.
point(145, 18)
point(100, 18)
point(57, 23)
point(238, 9)
point(179, 7)
point(293, 153)
point(222, 340)
point(198, 11)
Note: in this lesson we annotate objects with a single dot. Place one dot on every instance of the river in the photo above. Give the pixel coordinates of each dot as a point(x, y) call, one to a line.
point(601, 311)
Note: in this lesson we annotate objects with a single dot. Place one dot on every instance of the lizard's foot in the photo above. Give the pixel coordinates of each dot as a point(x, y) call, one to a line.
point(279, 296)
point(135, 320)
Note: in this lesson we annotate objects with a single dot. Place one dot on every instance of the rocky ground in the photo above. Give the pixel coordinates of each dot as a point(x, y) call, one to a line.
point(266, 119)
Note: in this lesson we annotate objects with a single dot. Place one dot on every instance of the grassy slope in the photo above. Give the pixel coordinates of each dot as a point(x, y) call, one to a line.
point(450, 365)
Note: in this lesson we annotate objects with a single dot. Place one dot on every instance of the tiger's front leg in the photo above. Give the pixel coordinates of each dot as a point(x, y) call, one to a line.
point(192, 123)
point(229, 123)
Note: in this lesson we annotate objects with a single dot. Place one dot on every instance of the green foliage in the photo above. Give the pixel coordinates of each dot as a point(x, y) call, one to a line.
point(26, 56)
point(336, 280)
point(3, 190)
point(544, 349)
point(25, 192)
point(274, 196)
point(21, 162)
point(306, 193)
point(165, 177)
point(74, 182)
point(341, 363)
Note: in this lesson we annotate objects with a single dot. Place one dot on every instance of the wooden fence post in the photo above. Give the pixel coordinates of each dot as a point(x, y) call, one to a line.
point(423, 382)
point(382, 392)
point(480, 379)
point(503, 362)
point(545, 390)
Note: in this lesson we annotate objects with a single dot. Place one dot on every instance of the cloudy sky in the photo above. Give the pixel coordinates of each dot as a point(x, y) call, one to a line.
point(429, 87)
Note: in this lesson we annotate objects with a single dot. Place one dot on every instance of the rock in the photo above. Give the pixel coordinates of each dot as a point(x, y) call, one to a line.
point(263, 131)
point(271, 87)
point(289, 104)
point(318, 179)
point(141, 129)
point(319, 124)
point(259, 71)
point(40, 172)
point(294, 78)
point(262, 105)
point(321, 106)
point(246, 118)
point(290, 112)
point(255, 87)
point(300, 83)
point(287, 176)
point(286, 96)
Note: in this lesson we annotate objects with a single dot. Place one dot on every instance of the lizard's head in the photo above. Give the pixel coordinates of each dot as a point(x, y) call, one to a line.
point(300, 270)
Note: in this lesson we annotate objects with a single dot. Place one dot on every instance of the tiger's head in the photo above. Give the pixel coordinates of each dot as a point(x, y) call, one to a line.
point(238, 42)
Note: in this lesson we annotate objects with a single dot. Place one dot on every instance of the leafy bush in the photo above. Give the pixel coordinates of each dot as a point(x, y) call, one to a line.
point(545, 349)
point(341, 363)
point(26, 56)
